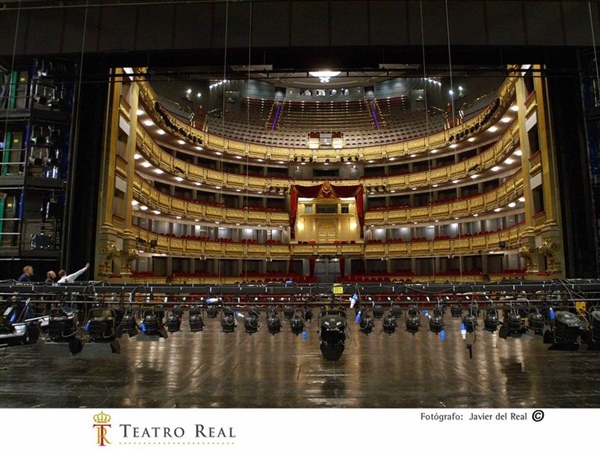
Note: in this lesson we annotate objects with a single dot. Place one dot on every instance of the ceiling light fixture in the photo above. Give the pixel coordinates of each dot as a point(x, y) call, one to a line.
point(324, 75)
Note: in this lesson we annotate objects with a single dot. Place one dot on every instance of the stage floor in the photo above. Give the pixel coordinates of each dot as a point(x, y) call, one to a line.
point(212, 369)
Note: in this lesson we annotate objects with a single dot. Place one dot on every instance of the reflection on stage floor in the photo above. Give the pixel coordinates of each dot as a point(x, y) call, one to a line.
point(238, 370)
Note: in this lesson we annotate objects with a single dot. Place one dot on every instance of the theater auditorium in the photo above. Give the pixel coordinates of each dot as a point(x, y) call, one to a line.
point(339, 204)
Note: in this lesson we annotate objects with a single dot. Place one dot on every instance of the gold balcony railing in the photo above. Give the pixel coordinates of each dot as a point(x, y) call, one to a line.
point(399, 149)
point(461, 245)
point(148, 195)
point(494, 155)
point(509, 191)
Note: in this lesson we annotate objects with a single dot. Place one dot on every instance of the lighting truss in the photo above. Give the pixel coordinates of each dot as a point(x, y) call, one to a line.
point(155, 310)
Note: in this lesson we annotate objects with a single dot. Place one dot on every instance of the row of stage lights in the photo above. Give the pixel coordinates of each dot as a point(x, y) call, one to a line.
point(104, 325)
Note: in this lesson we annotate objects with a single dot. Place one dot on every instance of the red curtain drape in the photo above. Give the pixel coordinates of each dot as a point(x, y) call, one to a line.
point(293, 211)
point(360, 212)
point(326, 190)
point(342, 266)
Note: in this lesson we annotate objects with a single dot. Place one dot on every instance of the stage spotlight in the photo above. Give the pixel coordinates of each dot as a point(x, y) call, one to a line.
point(212, 311)
point(174, 323)
point(62, 326)
point(101, 325)
point(377, 311)
point(228, 321)
point(436, 320)
point(333, 334)
point(389, 323)
point(308, 314)
point(128, 324)
point(62, 330)
point(535, 320)
point(251, 322)
point(456, 311)
point(565, 332)
point(396, 311)
point(273, 321)
point(102, 331)
point(196, 321)
point(365, 322)
point(20, 333)
point(152, 325)
point(288, 312)
point(595, 325)
point(470, 321)
point(413, 319)
point(491, 320)
point(513, 323)
point(297, 324)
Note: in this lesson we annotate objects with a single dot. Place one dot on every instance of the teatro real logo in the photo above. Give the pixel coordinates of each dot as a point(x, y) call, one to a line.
point(102, 424)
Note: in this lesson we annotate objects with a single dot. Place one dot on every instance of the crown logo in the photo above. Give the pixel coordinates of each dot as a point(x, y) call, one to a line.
point(102, 417)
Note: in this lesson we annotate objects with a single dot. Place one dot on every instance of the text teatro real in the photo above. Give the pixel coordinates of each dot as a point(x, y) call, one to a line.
point(199, 431)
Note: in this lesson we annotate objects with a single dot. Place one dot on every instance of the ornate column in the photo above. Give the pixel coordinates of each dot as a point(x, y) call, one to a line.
point(129, 251)
point(108, 241)
point(527, 245)
point(551, 245)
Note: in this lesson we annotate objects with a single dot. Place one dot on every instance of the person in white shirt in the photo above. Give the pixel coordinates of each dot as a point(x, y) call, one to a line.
point(64, 278)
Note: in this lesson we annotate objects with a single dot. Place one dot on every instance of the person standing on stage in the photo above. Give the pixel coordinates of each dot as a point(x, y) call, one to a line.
point(64, 278)
point(26, 275)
